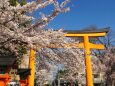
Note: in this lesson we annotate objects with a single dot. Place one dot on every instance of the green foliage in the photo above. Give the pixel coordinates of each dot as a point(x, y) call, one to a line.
point(15, 2)
point(93, 39)
point(22, 2)
point(22, 50)
point(61, 73)
point(24, 24)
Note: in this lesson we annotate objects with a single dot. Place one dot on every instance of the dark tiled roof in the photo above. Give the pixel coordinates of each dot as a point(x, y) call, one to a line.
point(7, 61)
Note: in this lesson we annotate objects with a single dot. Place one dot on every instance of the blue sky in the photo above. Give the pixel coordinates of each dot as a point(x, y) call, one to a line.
point(83, 13)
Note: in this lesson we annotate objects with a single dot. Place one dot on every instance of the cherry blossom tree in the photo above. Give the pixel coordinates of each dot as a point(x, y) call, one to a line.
point(18, 35)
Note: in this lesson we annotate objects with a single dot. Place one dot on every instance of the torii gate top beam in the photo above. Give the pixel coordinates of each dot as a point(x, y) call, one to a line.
point(78, 33)
point(74, 33)
point(106, 30)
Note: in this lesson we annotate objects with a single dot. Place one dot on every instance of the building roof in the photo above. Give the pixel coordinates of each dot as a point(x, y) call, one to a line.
point(7, 61)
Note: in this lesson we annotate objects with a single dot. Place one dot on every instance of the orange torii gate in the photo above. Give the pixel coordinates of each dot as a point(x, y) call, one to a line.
point(86, 45)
